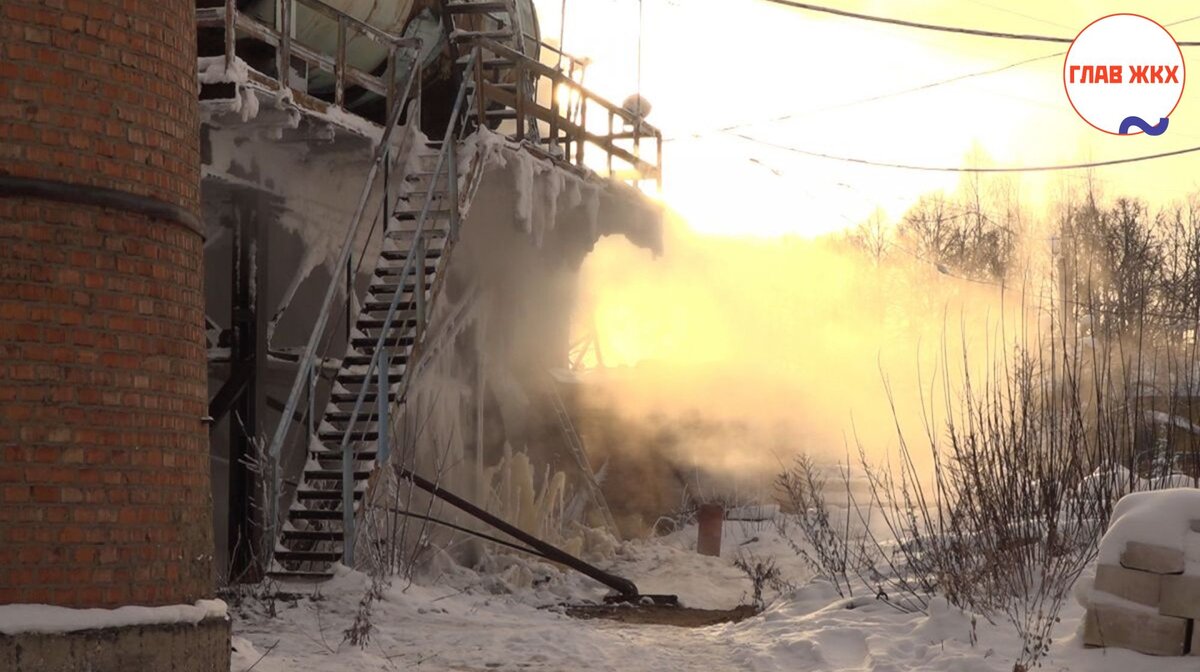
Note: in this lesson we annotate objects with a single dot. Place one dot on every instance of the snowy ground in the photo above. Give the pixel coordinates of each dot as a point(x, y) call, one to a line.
point(468, 621)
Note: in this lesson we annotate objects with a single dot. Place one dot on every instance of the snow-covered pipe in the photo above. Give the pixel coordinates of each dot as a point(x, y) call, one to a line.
point(408, 18)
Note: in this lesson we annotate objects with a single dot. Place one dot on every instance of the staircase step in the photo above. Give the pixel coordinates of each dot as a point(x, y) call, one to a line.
point(405, 317)
point(308, 556)
point(352, 397)
point(392, 273)
point(389, 342)
point(465, 36)
point(365, 414)
point(357, 378)
point(431, 232)
point(334, 456)
point(417, 195)
point(506, 113)
point(324, 495)
point(415, 205)
point(401, 255)
point(476, 7)
point(384, 306)
point(423, 177)
point(313, 515)
point(285, 575)
point(356, 435)
point(386, 271)
point(390, 288)
point(411, 215)
point(313, 535)
point(396, 368)
point(333, 475)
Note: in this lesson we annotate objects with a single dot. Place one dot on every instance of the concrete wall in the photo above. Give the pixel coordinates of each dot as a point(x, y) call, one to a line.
point(176, 647)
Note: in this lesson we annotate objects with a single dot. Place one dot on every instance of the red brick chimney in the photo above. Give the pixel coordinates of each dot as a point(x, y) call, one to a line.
point(104, 473)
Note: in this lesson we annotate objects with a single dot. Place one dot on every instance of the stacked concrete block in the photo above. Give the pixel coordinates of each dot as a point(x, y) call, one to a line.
point(1146, 603)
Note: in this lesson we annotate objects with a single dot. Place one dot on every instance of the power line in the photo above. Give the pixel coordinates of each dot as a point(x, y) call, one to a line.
point(885, 96)
point(955, 169)
point(935, 27)
point(1176, 23)
point(1006, 10)
point(870, 99)
point(893, 94)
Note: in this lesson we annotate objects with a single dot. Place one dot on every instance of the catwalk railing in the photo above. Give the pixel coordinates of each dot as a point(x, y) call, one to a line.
point(235, 23)
point(570, 120)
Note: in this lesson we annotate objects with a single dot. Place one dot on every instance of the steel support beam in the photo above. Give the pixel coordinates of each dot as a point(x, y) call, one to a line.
point(247, 361)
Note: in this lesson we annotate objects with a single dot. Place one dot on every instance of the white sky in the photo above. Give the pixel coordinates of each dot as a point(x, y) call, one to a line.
point(711, 63)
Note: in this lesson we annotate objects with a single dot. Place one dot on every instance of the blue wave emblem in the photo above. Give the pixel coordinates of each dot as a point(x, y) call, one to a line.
point(1143, 126)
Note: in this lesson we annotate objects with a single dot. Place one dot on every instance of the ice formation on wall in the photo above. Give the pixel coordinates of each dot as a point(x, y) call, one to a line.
point(476, 412)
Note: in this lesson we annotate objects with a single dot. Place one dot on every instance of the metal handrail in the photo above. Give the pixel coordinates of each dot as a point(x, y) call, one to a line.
point(280, 36)
point(308, 358)
point(448, 149)
point(579, 452)
point(562, 118)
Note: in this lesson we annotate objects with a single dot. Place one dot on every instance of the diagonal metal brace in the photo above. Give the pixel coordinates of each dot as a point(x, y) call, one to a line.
point(622, 585)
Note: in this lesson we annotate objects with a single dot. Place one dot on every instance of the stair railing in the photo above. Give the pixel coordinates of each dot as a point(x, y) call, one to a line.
point(280, 35)
point(380, 360)
point(579, 452)
point(621, 144)
point(305, 372)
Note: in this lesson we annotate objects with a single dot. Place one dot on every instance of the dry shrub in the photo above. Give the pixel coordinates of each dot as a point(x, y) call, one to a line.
point(1026, 467)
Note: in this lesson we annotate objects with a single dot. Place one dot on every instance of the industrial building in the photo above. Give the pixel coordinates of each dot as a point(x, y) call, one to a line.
point(258, 261)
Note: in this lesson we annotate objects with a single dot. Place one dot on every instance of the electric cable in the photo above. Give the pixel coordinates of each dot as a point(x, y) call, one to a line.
point(959, 169)
point(921, 87)
point(977, 32)
point(870, 99)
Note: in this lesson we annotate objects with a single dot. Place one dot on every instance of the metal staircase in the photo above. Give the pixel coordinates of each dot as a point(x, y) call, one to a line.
point(386, 328)
point(499, 22)
point(386, 333)
point(381, 350)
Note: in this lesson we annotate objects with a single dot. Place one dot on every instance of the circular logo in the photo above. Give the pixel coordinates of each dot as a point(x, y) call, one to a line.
point(1124, 75)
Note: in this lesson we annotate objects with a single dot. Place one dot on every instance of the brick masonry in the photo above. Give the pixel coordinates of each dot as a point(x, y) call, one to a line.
point(102, 93)
point(104, 477)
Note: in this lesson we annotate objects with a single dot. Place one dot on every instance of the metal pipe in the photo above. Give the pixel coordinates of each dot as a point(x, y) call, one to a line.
point(285, 42)
point(339, 64)
point(348, 497)
point(622, 585)
point(230, 33)
point(452, 193)
point(383, 404)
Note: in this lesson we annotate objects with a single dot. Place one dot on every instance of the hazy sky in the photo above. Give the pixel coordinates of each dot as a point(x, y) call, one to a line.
point(707, 64)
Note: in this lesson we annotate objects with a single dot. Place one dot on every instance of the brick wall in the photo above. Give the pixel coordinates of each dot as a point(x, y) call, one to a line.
point(104, 482)
point(101, 92)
